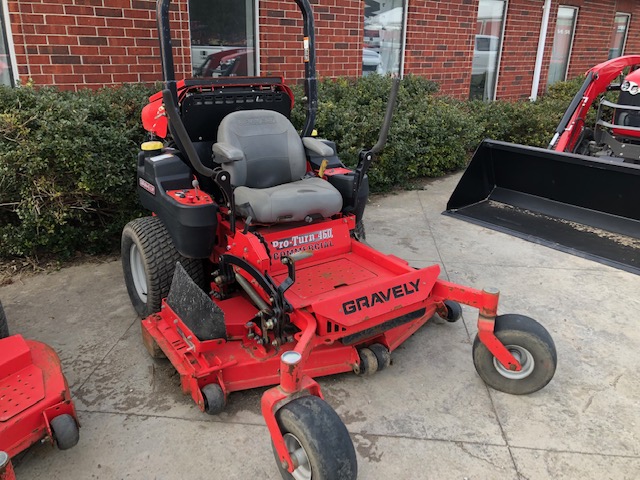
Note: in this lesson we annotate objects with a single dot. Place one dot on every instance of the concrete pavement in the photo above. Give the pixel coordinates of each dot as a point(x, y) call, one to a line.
point(429, 416)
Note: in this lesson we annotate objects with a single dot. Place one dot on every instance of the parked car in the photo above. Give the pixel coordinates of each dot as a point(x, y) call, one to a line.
point(234, 63)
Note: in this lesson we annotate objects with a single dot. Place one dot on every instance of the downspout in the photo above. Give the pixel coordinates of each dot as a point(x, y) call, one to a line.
point(537, 70)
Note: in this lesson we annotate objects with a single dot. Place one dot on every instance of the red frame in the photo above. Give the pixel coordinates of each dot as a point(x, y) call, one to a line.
point(33, 366)
point(323, 314)
point(603, 74)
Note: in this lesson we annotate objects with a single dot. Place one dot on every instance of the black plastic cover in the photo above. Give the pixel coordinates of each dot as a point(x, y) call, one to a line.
point(192, 227)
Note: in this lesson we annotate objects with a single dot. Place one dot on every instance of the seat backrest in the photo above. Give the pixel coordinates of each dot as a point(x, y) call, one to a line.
point(273, 151)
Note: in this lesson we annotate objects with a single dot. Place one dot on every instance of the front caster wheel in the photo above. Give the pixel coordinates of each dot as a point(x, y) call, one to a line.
point(530, 343)
point(214, 399)
point(317, 440)
point(65, 431)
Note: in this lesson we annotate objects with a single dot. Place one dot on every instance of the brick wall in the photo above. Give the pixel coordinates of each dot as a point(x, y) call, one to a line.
point(593, 35)
point(339, 38)
point(91, 43)
point(440, 39)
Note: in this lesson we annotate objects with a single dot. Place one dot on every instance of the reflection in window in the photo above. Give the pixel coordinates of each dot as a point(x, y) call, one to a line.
point(222, 37)
point(383, 24)
point(487, 48)
point(562, 42)
point(6, 74)
point(620, 28)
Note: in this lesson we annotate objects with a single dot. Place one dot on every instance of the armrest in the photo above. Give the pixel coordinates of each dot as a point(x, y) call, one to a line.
point(317, 147)
point(225, 153)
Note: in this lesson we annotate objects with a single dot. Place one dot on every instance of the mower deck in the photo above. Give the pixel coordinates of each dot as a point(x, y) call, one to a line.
point(33, 390)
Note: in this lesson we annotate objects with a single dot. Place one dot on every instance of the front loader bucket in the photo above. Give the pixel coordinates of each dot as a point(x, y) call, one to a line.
point(582, 205)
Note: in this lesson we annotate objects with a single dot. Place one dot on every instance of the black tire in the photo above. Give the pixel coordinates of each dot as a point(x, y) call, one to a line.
point(4, 326)
point(153, 251)
point(382, 355)
point(359, 231)
point(530, 343)
point(65, 431)
point(324, 439)
point(214, 399)
point(454, 311)
point(368, 362)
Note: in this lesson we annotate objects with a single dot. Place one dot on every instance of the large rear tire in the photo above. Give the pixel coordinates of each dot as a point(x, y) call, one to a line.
point(149, 260)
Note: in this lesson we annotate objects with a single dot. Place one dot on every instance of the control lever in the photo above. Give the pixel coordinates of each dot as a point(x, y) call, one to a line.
point(290, 262)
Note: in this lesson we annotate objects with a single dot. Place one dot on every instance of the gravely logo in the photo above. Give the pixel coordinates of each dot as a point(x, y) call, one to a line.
point(383, 296)
point(298, 243)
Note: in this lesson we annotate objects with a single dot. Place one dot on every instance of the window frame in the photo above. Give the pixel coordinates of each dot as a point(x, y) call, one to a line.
point(5, 18)
point(626, 31)
point(573, 37)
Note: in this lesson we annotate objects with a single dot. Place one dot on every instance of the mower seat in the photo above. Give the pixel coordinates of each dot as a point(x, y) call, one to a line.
point(266, 160)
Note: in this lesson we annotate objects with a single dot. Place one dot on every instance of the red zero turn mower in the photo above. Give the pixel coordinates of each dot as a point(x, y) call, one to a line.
point(252, 271)
point(35, 403)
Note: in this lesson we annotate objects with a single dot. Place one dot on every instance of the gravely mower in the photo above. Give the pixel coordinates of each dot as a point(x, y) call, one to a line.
point(580, 195)
point(35, 403)
point(252, 271)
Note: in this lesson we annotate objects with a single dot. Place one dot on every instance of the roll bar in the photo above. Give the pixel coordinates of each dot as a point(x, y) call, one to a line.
point(310, 81)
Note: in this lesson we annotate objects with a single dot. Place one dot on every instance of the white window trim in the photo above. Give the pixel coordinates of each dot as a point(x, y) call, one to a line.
point(403, 44)
point(11, 50)
point(573, 37)
point(499, 61)
point(256, 33)
point(626, 31)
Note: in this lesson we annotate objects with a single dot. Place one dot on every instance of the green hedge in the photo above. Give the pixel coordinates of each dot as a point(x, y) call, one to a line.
point(67, 177)
point(67, 160)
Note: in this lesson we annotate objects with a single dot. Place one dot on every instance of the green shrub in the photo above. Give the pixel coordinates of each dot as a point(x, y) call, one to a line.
point(67, 168)
point(430, 135)
point(67, 160)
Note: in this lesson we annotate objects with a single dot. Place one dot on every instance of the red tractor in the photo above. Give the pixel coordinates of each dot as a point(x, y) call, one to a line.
point(252, 271)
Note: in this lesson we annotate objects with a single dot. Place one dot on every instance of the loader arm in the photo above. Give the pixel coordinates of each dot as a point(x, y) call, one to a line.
point(597, 80)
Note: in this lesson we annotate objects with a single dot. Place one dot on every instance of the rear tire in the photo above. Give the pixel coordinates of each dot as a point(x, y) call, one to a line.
point(65, 431)
point(4, 326)
point(149, 260)
point(315, 432)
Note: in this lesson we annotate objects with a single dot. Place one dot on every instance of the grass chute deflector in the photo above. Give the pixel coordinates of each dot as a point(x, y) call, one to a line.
point(581, 195)
point(252, 271)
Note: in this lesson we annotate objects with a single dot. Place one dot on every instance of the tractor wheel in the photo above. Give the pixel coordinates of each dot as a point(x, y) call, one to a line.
point(317, 441)
point(368, 363)
point(382, 355)
point(214, 399)
point(359, 231)
point(148, 261)
point(454, 311)
point(4, 326)
point(65, 431)
point(530, 343)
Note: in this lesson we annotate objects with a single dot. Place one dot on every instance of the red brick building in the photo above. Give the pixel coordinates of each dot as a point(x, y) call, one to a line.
point(482, 48)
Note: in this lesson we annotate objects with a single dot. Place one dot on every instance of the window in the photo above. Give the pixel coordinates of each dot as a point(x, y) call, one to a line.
point(620, 29)
point(484, 68)
point(6, 69)
point(383, 36)
point(562, 43)
point(223, 37)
